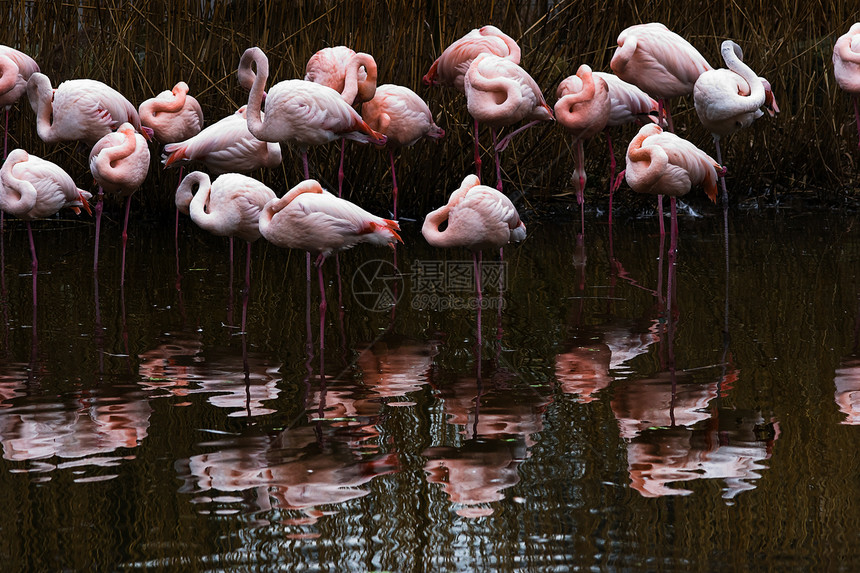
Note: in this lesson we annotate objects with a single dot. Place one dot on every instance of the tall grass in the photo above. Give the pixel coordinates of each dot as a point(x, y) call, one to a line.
point(144, 47)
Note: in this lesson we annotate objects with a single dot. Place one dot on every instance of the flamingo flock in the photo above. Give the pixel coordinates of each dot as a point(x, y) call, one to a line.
point(339, 99)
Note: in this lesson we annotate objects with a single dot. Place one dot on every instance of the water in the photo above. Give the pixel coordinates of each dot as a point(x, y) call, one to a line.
point(141, 430)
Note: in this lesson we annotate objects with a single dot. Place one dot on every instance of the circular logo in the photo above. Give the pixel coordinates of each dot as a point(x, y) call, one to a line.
point(377, 285)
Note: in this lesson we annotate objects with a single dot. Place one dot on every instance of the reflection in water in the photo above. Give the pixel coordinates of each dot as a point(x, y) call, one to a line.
point(87, 426)
point(847, 382)
point(395, 368)
point(674, 434)
point(291, 471)
point(181, 367)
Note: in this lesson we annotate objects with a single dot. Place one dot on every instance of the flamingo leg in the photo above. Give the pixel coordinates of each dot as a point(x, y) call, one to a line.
point(612, 166)
point(477, 152)
point(247, 292)
point(660, 214)
point(230, 284)
point(305, 165)
point(34, 265)
point(176, 232)
point(856, 117)
point(498, 163)
point(477, 259)
point(323, 306)
point(124, 240)
point(340, 173)
point(99, 208)
point(673, 250)
point(580, 181)
point(393, 180)
point(6, 135)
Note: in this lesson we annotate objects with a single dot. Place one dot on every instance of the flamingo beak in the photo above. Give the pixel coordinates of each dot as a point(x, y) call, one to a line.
point(85, 204)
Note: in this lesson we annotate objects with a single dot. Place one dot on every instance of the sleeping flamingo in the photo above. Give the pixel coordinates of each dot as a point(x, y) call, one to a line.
point(583, 109)
point(450, 67)
point(846, 66)
point(351, 74)
point(501, 93)
point(32, 188)
point(119, 162)
point(478, 218)
point(15, 69)
point(402, 116)
point(79, 110)
point(228, 207)
point(172, 115)
point(314, 220)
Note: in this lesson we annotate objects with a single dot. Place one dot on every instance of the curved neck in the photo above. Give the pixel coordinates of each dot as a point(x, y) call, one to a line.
point(356, 90)
point(647, 162)
point(167, 105)
point(493, 85)
point(255, 97)
point(185, 191)
point(17, 196)
point(431, 231)
point(40, 93)
point(733, 57)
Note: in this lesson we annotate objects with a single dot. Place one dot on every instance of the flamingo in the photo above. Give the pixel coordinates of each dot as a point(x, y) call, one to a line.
point(846, 66)
point(501, 93)
point(583, 109)
point(627, 104)
point(479, 217)
point(727, 100)
point(450, 67)
point(15, 69)
point(225, 147)
point(228, 207)
point(314, 220)
point(352, 75)
point(172, 115)
point(661, 163)
point(119, 162)
point(660, 62)
point(403, 117)
point(33, 188)
point(300, 112)
point(79, 110)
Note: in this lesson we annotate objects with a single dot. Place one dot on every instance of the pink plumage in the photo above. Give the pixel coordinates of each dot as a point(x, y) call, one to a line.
point(450, 67)
point(173, 115)
point(401, 115)
point(846, 60)
point(627, 102)
point(312, 219)
point(351, 74)
point(33, 188)
point(119, 161)
point(226, 146)
point(15, 69)
point(501, 93)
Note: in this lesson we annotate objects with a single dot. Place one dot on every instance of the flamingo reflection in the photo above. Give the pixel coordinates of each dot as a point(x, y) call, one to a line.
point(847, 395)
point(392, 367)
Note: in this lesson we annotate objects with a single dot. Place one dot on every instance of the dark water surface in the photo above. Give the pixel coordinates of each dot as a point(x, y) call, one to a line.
point(140, 430)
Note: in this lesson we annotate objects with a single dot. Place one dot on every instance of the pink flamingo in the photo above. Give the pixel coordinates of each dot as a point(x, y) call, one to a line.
point(479, 218)
point(501, 93)
point(450, 67)
point(846, 66)
point(172, 115)
point(226, 147)
point(228, 207)
point(582, 108)
point(727, 100)
point(15, 69)
point(32, 188)
point(627, 104)
point(403, 117)
point(119, 162)
point(312, 219)
point(352, 75)
point(661, 163)
point(300, 112)
point(79, 110)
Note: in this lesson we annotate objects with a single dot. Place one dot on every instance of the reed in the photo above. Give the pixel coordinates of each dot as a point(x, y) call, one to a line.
point(144, 47)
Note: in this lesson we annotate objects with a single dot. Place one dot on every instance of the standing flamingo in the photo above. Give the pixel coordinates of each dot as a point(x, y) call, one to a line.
point(119, 162)
point(79, 110)
point(846, 66)
point(627, 104)
point(403, 117)
point(450, 67)
point(15, 69)
point(478, 218)
point(728, 99)
point(661, 163)
point(351, 74)
point(312, 219)
point(501, 93)
point(32, 188)
point(228, 207)
point(583, 110)
point(172, 115)
point(299, 112)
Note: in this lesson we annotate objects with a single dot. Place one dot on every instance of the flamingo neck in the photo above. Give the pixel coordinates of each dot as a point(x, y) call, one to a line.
point(255, 97)
point(185, 191)
point(17, 196)
point(8, 74)
point(41, 96)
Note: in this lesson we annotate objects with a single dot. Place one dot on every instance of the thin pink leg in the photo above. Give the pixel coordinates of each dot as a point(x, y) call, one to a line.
point(393, 180)
point(230, 284)
point(580, 180)
point(323, 306)
point(247, 292)
point(176, 230)
point(612, 166)
point(660, 214)
point(477, 259)
point(856, 116)
point(477, 152)
point(305, 165)
point(34, 265)
point(99, 208)
point(6, 136)
point(340, 174)
point(673, 251)
point(498, 163)
point(124, 240)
